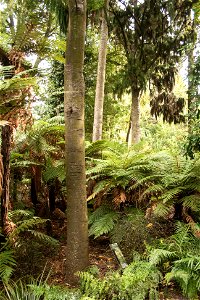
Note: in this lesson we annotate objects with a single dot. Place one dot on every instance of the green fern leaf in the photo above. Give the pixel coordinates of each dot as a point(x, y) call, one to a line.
point(103, 225)
point(43, 237)
point(159, 255)
point(7, 264)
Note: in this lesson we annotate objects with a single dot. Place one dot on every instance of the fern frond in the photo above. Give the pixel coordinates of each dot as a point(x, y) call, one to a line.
point(25, 225)
point(162, 210)
point(181, 275)
point(104, 224)
point(54, 169)
point(18, 213)
point(191, 202)
point(44, 237)
point(7, 264)
point(98, 213)
point(159, 255)
point(172, 193)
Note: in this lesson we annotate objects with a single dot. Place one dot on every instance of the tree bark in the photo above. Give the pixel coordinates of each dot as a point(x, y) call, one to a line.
point(5, 152)
point(101, 71)
point(77, 222)
point(134, 134)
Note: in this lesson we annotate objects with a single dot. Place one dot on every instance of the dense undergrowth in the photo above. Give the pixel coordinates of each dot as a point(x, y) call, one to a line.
point(145, 200)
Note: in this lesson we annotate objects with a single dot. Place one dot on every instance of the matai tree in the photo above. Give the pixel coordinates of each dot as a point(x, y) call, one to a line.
point(153, 34)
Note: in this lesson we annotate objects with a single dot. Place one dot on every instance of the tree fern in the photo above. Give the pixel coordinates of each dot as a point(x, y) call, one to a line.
point(54, 169)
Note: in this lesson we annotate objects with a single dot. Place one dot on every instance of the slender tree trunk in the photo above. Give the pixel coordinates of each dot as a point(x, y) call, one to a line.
point(5, 152)
point(191, 90)
point(134, 132)
point(77, 222)
point(101, 71)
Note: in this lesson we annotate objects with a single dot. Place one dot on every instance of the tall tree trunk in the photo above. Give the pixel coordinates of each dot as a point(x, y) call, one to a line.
point(134, 132)
point(101, 71)
point(5, 152)
point(77, 222)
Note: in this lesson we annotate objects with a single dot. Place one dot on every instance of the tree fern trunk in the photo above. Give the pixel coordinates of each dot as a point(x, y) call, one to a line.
point(77, 222)
point(5, 152)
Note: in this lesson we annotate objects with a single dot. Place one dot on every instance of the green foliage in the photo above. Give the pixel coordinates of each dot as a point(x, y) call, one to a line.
point(119, 172)
point(102, 221)
point(137, 281)
point(28, 225)
point(30, 289)
point(59, 8)
point(95, 4)
point(11, 88)
point(179, 252)
point(131, 233)
point(186, 272)
point(17, 291)
point(54, 169)
point(7, 265)
point(52, 292)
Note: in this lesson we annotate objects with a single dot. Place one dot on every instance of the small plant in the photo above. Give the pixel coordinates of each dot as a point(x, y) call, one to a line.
point(29, 243)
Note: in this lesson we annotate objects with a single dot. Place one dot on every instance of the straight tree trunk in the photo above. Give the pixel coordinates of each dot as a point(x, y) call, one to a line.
point(77, 221)
point(191, 90)
point(101, 71)
point(5, 152)
point(134, 131)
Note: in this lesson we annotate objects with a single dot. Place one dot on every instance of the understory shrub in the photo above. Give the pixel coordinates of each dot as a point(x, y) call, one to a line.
point(31, 289)
point(178, 258)
point(139, 280)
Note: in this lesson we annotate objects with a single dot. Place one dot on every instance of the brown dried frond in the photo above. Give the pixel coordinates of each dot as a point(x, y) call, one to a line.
point(119, 197)
point(9, 228)
point(16, 57)
point(191, 222)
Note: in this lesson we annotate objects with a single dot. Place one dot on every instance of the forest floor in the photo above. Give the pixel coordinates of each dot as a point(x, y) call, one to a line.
point(50, 262)
point(102, 256)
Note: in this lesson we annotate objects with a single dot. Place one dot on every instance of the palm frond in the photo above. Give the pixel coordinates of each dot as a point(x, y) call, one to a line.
point(59, 8)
